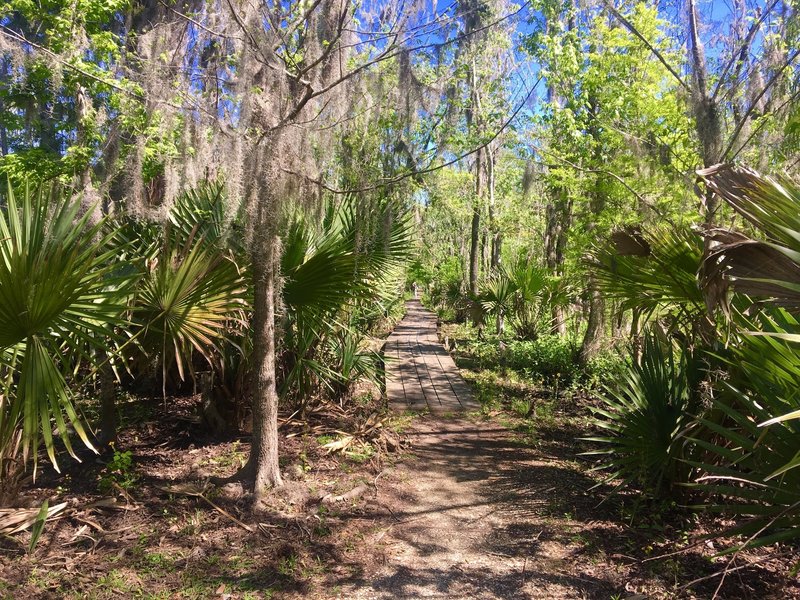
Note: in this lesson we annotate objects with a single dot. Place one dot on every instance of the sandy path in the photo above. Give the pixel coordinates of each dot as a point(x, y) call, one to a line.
point(474, 514)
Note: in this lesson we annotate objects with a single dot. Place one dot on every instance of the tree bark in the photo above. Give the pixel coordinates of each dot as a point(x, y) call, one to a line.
point(474, 249)
point(558, 215)
point(473, 124)
point(497, 236)
point(108, 404)
point(707, 114)
point(263, 464)
point(592, 341)
point(4, 64)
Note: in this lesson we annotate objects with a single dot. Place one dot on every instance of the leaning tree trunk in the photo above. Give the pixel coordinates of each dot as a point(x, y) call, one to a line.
point(263, 465)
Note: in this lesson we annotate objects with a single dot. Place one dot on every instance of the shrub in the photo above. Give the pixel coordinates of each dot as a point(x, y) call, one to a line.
point(604, 369)
point(548, 357)
point(62, 297)
point(644, 417)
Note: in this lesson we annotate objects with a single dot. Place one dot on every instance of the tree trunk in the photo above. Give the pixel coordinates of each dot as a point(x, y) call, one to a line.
point(484, 253)
point(706, 112)
point(108, 404)
point(595, 328)
point(636, 338)
point(497, 249)
point(473, 123)
point(558, 215)
point(617, 323)
point(497, 236)
point(474, 249)
point(263, 464)
point(592, 340)
point(558, 320)
point(4, 64)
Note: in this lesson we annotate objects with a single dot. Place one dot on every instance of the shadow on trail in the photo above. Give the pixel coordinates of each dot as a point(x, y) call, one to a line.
point(544, 534)
point(477, 583)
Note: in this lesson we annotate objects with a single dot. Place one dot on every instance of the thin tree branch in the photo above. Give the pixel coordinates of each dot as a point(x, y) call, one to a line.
point(754, 103)
point(391, 51)
point(742, 48)
point(417, 172)
point(698, 53)
point(630, 27)
point(193, 21)
point(791, 99)
point(21, 39)
point(571, 164)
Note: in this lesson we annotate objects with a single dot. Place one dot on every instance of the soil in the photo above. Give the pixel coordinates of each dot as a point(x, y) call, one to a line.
point(477, 512)
point(468, 508)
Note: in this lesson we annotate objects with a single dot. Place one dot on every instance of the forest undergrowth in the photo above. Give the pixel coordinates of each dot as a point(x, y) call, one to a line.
point(648, 546)
point(158, 520)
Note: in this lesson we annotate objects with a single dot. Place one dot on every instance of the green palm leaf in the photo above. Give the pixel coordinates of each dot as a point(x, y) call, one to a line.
point(59, 299)
point(654, 272)
point(644, 417)
point(352, 259)
point(190, 300)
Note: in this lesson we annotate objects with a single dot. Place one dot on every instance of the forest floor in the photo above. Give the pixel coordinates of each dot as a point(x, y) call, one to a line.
point(491, 504)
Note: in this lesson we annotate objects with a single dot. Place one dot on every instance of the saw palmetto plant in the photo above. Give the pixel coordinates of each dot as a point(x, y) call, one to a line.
point(748, 451)
point(752, 448)
point(644, 417)
point(350, 260)
point(497, 297)
point(60, 297)
point(193, 297)
point(521, 293)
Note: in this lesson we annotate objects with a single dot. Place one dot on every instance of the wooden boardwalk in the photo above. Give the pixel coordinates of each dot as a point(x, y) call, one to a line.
point(420, 374)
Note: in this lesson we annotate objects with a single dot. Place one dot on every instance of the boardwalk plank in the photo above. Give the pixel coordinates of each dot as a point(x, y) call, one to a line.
point(420, 374)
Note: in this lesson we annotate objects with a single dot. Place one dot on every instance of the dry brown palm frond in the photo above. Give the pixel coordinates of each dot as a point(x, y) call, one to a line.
point(765, 268)
point(15, 520)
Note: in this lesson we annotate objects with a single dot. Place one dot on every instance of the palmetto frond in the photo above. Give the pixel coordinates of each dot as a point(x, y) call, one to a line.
point(749, 459)
point(60, 295)
point(498, 294)
point(189, 301)
point(325, 267)
point(203, 213)
point(767, 266)
point(654, 271)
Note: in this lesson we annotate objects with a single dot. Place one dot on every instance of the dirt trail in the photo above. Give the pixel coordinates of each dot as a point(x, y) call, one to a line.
point(475, 514)
point(472, 512)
